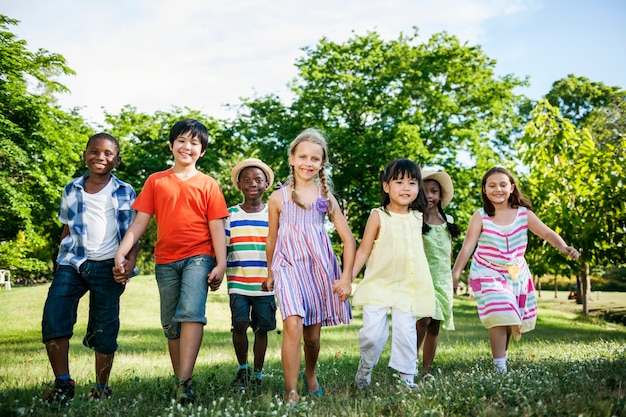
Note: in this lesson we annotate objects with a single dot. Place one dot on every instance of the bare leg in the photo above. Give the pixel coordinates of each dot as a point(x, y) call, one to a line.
point(420, 327)
point(240, 342)
point(104, 363)
point(260, 347)
point(291, 355)
point(430, 346)
point(173, 346)
point(58, 354)
point(190, 341)
point(499, 340)
point(311, 353)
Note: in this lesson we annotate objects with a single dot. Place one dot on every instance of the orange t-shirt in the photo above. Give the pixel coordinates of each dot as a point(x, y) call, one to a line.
point(182, 210)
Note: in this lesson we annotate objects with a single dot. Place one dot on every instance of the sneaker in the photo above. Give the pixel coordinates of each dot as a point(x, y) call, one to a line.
point(95, 394)
point(409, 387)
point(363, 376)
point(184, 393)
point(241, 379)
point(63, 391)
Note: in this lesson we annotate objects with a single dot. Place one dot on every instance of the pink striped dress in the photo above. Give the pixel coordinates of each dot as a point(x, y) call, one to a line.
point(499, 275)
point(305, 267)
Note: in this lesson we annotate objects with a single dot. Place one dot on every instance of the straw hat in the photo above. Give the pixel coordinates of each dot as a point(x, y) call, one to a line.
point(252, 162)
point(447, 190)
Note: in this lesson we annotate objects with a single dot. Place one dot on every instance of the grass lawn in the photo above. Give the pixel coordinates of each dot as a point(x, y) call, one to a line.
point(568, 365)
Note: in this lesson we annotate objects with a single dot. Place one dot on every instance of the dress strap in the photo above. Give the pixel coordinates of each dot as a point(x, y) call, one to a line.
point(284, 191)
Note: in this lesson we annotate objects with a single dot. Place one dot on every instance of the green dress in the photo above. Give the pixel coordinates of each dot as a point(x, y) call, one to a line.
point(438, 246)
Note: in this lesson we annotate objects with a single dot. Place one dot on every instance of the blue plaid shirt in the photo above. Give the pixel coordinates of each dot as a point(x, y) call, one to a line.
point(71, 249)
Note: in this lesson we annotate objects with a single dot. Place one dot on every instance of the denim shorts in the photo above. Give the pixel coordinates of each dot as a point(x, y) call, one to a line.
point(259, 311)
point(66, 290)
point(183, 288)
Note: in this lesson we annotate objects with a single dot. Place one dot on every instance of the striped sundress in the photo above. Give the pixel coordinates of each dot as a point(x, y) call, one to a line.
point(305, 267)
point(499, 275)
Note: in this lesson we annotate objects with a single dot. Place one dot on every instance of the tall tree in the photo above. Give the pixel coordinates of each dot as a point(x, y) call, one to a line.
point(579, 180)
point(439, 103)
point(40, 148)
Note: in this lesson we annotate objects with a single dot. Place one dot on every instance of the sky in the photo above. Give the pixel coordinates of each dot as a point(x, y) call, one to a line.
point(206, 54)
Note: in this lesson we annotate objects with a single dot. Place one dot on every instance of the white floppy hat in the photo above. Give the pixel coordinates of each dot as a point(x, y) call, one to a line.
point(445, 182)
point(252, 162)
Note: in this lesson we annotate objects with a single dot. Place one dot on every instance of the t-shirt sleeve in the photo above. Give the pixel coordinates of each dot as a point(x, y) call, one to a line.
point(145, 200)
point(217, 208)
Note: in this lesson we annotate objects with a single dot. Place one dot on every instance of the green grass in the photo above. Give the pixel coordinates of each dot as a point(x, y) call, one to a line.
point(568, 365)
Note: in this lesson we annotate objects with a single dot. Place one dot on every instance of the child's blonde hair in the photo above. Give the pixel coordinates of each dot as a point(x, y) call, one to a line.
point(313, 136)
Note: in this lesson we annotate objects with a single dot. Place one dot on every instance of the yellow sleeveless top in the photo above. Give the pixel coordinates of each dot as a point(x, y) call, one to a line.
point(396, 273)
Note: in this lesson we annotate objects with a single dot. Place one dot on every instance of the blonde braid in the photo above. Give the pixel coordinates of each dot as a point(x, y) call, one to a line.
point(326, 192)
point(294, 195)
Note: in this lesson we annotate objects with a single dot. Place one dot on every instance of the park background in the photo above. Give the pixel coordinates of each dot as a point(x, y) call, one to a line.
point(438, 100)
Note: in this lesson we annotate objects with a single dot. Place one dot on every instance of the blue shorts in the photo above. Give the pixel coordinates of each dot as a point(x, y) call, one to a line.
point(183, 288)
point(66, 290)
point(259, 312)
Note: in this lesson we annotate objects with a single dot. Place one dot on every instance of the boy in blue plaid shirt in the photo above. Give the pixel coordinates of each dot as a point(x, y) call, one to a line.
point(96, 210)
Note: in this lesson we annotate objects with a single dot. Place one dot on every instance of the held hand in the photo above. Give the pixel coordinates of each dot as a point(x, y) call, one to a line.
point(120, 263)
point(268, 284)
point(571, 252)
point(121, 275)
point(215, 278)
point(343, 288)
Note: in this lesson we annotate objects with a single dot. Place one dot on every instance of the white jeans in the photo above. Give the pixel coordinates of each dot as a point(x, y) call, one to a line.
point(373, 337)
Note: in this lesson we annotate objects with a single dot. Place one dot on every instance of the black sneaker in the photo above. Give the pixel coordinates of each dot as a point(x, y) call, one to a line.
point(184, 393)
point(241, 380)
point(62, 392)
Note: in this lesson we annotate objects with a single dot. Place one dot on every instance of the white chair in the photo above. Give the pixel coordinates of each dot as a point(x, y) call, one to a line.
point(5, 278)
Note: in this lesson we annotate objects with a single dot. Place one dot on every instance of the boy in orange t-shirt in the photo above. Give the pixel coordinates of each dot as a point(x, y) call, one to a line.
point(190, 252)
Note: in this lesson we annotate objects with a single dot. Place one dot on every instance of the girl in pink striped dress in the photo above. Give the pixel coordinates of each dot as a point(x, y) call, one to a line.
point(303, 270)
point(499, 275)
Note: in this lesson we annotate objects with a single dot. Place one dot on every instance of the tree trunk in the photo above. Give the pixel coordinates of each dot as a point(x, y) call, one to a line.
point(556, 287)
point(585, 288)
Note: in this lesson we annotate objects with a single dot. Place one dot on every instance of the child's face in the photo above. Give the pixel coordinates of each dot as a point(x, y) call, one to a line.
point(101, 156)
point(433, 193)
point(252, 183)
point(307, 160)
point(402, 191)
point(498, 188)
point(186, 149)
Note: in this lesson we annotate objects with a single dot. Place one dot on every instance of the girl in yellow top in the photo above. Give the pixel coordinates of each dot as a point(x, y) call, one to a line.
point(397, 277)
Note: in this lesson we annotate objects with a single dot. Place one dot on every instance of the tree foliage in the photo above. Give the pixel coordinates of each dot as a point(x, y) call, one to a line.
point(40, 148)
point(577, 180)
point(437, 102)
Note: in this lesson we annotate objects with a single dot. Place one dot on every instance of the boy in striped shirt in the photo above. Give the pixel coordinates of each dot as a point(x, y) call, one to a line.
point(246, 269)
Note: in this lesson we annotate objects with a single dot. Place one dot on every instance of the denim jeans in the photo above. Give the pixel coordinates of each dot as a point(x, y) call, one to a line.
point(183, 288)
point(66, 290)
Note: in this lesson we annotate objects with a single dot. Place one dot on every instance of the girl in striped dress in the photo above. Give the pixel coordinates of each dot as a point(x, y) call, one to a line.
point(499, 275)
point(303, 270)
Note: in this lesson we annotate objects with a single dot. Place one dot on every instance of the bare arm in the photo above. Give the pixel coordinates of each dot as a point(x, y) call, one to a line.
point(343, 287)
point(218, 236)
point(469, 244)
point(130, 240)
point(273, 215)
point(539, 228)
point(367, 243)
